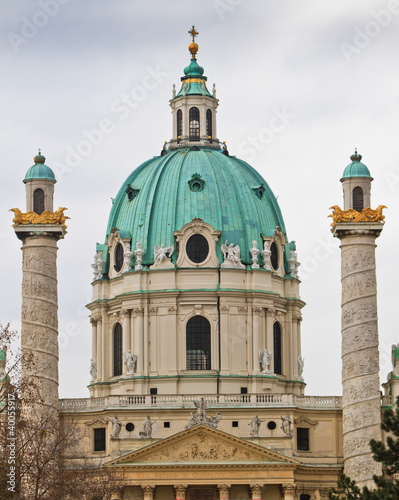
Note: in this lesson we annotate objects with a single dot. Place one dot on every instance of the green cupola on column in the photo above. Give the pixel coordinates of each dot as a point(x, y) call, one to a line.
point(356, 184)
point(39, 184)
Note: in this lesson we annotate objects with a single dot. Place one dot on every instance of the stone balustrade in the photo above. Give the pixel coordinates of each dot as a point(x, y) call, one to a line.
point(213, 401)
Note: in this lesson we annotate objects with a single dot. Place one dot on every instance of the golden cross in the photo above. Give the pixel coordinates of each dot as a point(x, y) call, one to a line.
point(193, 33)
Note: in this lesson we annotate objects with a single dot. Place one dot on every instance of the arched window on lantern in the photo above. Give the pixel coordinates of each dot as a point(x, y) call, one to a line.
point(117, 341)
point(38, 201)
point(277, 354)
point(357, 199)
point(179, 124)
point(194, 124)
point(209, 124)
point(198, 344)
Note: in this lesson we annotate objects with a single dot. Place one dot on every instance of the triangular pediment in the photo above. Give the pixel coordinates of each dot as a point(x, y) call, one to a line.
point(202, 444)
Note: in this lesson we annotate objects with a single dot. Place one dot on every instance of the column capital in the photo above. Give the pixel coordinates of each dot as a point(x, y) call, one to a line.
point(137, 311)
point(256, 490)
point(224, 491)
point(288, 489)
point(180, 490)
point(148, 490)
point(117, 494)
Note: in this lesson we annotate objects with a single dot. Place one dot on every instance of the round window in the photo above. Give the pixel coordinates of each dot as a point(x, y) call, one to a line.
point(197, 248)
point(274, 256)
point(129, 427)
point(118, 257)
point(271, 425)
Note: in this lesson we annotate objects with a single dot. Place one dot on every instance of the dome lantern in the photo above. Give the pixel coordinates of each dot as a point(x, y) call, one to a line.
point(194, 107)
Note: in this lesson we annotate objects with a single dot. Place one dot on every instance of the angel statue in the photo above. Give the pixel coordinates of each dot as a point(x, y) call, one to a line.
point(201, 408)
point(301, 364)
point(232, 257)
point(93, 369)
point(162, 253)
point(130, 361)
point(264, 360)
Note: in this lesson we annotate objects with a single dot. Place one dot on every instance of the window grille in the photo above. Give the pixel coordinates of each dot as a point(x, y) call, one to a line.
point(357, 198)
point(118, 257)
point(277, 348)
point(209, 124)
point(194, 124)
point(179, 124)
point(198, 344)
point(99, 439)
point(302, 439)
point(118, 350)
point(38, 201)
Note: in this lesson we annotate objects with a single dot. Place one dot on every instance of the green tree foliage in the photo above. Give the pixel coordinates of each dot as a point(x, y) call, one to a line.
point(387, 485)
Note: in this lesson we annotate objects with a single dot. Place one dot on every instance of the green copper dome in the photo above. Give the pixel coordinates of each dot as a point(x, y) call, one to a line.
point(356, 168)
point(39, 170)
point(166, 192)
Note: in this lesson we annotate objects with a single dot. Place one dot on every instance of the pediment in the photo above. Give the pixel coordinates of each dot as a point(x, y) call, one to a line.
point(199, 445)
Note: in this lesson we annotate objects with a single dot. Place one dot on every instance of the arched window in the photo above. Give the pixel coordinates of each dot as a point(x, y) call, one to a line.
point(198, 344)
point(117, 350)
point(357, 199)
point(179, 124)
point(277, 348)
point(209, 124)
point(194, 124)
point(38, 201)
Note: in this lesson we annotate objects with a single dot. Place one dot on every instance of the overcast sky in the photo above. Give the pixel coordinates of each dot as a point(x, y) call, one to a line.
point(330, 68)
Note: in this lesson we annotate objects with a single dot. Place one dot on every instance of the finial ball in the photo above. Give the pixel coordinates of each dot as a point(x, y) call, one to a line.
point(193, 48)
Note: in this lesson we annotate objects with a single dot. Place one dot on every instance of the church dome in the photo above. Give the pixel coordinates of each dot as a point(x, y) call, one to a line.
point(39, 170)
point(168, 191)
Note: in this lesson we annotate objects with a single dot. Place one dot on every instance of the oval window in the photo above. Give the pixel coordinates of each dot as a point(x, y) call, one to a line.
point(118, 257)
point(274, 256)
point(197, 248)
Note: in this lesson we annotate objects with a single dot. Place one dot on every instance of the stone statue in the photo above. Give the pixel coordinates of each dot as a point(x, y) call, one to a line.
point(301, 364)
point(214, 90)
point(162, 253)
point(264, 360)
point(200, 417)
point(3, 362)
point(232, 257)
point(147, 428)
point(294, 264)
point(139, 252)
point(184, 88)
point(116, 427)
point(98, 265)
point(254, 253)
point(173, 91)
point(266, 253)
point(255, 424)
point(286, 425)
point(93, 369)
point(203, 87)
point(128, 257)
point(130, 360)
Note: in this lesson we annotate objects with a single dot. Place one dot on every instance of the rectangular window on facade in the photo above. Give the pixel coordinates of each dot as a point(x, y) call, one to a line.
point(302, 439)
point(244, 390)
point(99, 439)
point(234, 423)
point(166, 425)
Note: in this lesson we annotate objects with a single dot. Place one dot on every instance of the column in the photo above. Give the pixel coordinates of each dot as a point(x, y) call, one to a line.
point(295, 346)
point(256, 491)
point(288, 491)
point(180, 492)
point(224, 491)
point(93, 339)
point(148, 491)
point(225, 340)
point(256, 311)
point(138, 334)
point(105, 348)
point(125, 335)
point(361, 407)
point(99, 348)
point(271, 312)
